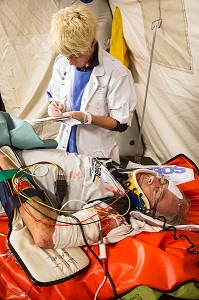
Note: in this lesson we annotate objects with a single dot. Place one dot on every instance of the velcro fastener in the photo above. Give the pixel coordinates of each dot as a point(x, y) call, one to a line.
point(13, 201)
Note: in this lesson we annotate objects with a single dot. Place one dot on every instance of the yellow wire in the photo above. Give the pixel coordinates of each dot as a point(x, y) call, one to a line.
point(29, 198)
point(90, 208)
point(56, 209)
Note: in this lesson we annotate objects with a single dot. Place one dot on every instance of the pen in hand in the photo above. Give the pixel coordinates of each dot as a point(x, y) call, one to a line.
point(55, 104)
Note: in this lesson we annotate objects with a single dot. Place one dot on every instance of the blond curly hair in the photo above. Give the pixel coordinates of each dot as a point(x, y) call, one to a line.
point(73, 30)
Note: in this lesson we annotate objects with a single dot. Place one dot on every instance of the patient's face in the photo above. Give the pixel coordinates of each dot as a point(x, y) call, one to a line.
point(158, 192)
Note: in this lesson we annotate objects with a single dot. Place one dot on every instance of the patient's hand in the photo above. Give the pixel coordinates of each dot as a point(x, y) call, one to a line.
point(5, 162)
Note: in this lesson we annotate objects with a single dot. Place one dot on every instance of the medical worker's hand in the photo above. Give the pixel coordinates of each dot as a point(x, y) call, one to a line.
point(55, 109)
point(77, 115)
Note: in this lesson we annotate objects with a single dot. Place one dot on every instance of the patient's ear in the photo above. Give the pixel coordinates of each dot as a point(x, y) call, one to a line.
point(150, 179)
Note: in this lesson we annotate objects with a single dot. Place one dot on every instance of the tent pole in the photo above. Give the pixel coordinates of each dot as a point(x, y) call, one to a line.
point(155, 25)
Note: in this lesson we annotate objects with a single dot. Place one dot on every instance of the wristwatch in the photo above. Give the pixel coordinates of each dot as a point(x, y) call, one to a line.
point(88, 118)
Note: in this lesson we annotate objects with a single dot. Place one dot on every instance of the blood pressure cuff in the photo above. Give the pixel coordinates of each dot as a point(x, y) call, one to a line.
point(10, 201)
point(44, 266)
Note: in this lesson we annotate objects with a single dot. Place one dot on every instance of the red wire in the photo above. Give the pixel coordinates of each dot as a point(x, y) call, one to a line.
point(55, 224)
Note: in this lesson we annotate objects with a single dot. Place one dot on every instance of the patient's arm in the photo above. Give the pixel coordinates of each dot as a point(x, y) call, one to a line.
point(42, 234)
point(38, 222)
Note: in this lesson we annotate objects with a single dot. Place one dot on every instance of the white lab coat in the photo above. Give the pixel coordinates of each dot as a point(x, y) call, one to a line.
point(109, 92)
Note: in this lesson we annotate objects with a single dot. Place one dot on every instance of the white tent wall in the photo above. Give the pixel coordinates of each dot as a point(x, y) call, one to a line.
point(27, 58)
point(171, 123)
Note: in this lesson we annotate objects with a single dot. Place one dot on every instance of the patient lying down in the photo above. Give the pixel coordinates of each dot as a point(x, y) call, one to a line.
point(147, 192)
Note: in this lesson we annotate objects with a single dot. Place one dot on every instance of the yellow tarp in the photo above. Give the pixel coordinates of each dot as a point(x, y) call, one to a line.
point(118, 46)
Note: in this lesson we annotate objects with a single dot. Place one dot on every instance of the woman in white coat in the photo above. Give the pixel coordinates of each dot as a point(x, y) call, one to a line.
point(88, 84)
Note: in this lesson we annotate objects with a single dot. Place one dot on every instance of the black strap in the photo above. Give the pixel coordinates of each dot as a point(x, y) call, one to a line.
point(9, 202)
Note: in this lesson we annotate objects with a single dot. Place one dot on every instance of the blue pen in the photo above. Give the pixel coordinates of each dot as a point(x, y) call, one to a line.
point(49, 95)
point(55, 104)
